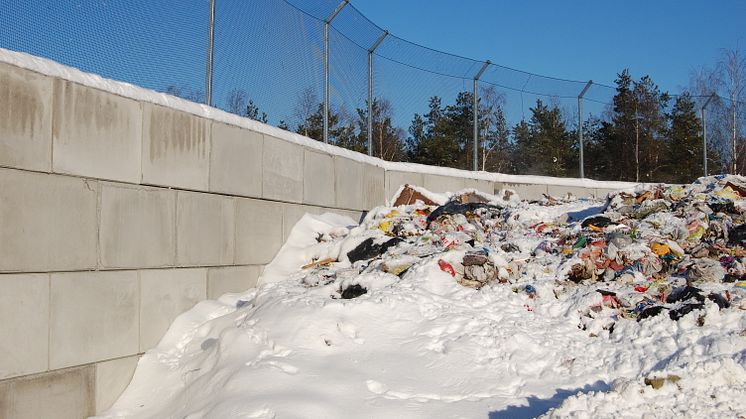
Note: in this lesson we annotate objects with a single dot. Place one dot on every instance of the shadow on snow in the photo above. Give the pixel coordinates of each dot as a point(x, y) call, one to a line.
point(537, 406)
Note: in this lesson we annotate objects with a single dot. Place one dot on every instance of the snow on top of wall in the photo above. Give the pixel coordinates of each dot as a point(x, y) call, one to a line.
point(55, 69)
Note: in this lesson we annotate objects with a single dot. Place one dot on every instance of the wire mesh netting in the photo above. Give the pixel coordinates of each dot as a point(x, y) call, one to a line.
point(269, 65)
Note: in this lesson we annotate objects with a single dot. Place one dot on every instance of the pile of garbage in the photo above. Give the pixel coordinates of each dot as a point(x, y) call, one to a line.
point(658, 250)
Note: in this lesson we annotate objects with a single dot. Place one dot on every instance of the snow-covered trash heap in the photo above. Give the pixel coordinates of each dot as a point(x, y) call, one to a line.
point(469, 305)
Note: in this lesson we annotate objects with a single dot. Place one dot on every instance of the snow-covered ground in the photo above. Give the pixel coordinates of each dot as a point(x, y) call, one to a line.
point(482, 309)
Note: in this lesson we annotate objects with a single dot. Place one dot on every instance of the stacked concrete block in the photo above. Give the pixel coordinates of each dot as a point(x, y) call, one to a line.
point(282, 170)
point(47, 222)
point(24, 331)
point(164, 294)
point(438, 183)
point(111, 378)
point(137, 227)
point(94, 316)
point(348, 183)
point(236, 161)
point(394, 180)
point(205, 229)
point(176, 149)
point(565, 191)
point(25, 119)
point(96, 134)
point(259, 233)
point(231, 279)
point(318, 179)
point(64, 394)
point(525, 190)
point(374, 186)
point(485, 186)
point(293, 213)
point(602, 192)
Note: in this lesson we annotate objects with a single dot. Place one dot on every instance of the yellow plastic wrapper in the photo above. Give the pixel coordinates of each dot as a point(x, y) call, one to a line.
point(385, 226)
point(676, 193)
point(728, 193)
point(392, 214)
point(660, 249)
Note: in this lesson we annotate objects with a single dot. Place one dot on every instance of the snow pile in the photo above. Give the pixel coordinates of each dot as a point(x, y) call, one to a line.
point(473, 305)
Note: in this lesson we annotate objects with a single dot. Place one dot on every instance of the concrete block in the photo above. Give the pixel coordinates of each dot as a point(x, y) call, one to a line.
point(137, 227)
point(95, 133)
point(236, 161)
point(282, 170)
point(205, 229)
point(112, 377)
point(47, 222)
point(560, 191)
point(259, 233)
point(164, 294)
point(293, 213)
point(485, 186)
point(65, 394)
point(440, 184)
point(396, 179)
point(93, 316)
point(318, 179)
point(176, 148)
point(374, 186)
point(25, 119)
point(354, 215)
point(526, 191)
point(231, 279)
point(348, 183)
point(24, 330)
point(602, 193)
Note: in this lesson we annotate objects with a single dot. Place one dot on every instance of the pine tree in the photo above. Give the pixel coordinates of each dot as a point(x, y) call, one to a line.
point(388, 141)
point(545, 144)
point(683, 163)
point(341, 131)
point(253, 112)
point(635, 138)
point(239, 104)
point(432, 138)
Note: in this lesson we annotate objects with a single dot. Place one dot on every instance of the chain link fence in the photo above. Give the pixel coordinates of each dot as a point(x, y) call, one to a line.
point(284, 61)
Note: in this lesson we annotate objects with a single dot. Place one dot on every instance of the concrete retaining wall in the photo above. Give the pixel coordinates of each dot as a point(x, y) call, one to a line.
point(117, 214)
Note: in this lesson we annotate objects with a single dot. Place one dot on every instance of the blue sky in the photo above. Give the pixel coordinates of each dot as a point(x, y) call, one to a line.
point(577, 40)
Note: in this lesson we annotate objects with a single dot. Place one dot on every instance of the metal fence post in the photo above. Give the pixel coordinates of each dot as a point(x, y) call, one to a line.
point(475, 111)
point(704, 132)
point(580, 126)
point(370, 89)
point(210, 52)
point(327, 22)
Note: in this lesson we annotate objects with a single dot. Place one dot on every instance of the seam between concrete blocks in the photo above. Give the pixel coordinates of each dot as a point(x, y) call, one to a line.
point(141, 105)
point(175, 228)
point(139, 309)
point(236, 202)
point(334, 180)
point(261, 167)
point(54, 121)
point(49, 321)
point(99, 222)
